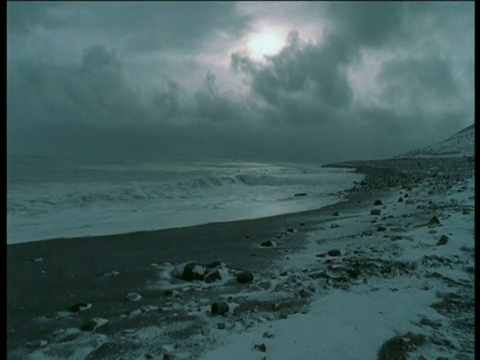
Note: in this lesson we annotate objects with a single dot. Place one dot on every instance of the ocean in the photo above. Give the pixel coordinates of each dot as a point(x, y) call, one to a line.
point(63, 197)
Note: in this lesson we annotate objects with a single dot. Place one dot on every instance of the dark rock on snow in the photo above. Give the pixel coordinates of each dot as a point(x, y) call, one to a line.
point(378, 202)
point(220, 308)
point(213, 265)
point(268, 243)
point(80, 307)
point(434, 221)
point(375, 212)
point(190, 272)
point(261, 347)
point(443, 240)
point(334, 252)
point(212, 276)
point(245, 277)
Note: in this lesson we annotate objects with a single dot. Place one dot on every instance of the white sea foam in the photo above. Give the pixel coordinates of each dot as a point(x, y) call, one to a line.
point(54, 197)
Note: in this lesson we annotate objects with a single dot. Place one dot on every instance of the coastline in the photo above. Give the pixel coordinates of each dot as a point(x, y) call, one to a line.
point(71, 270)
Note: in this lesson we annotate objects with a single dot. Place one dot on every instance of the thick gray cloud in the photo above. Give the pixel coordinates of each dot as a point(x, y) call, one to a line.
point(353, 80)
point(305, 82)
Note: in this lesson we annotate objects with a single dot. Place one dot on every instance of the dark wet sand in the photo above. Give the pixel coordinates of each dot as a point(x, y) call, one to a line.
point(72, 269)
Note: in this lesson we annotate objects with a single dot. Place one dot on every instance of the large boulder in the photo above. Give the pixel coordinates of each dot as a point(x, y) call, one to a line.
point(193, 271)
point(212, 276)
point(245, 276)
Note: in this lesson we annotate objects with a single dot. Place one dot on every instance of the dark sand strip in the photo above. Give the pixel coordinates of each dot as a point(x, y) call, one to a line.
point(71, 268)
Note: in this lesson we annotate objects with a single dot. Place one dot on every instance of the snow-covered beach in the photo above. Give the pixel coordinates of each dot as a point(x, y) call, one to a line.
point(240, 180)
point(355, 280)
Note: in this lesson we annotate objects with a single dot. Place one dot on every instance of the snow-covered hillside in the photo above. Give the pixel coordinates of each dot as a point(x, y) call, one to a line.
point(460, 144)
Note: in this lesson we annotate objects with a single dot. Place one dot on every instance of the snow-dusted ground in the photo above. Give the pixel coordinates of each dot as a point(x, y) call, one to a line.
point(460, 144)
point(407, 284)
point(399, 285)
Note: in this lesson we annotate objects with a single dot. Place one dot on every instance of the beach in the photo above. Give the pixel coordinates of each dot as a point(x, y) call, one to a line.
point(359, 279)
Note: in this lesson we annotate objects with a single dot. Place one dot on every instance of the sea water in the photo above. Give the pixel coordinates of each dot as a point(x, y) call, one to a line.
point(60, 197)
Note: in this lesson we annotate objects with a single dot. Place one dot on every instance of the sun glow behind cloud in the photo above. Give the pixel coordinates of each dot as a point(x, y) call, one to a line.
point(266, 42)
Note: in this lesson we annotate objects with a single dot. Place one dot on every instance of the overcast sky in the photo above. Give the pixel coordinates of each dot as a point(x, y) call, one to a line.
point(292, 81)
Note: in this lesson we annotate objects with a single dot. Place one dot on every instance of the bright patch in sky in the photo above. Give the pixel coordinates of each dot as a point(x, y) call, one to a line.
point(265, 43)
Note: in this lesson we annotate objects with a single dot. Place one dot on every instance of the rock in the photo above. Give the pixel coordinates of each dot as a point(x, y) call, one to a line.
point(398, 347)
point(268, 243)
point(378, 202)
point(261, 347)
point(94, 324)
point(400, 199)
point(335, 213)
point(300, 194)
point(219, 308)
point(247, 236)
point(80, 307)
point(267, 335)
point(434, 324)
point(212, 276)
point(443, 240)
point(319, 275)
point(291, 230)
point(321, 255)
point(221, 326)
point(213, 265)
point(334, 252)
point(113, 273)
point(381, 228)
point(245, 277)
point(193, 271)
point(434, 221)
point(302, 293)
point(375, 212)
point(133, 296)
point(302, 224)
point(168, 292)
point(334, 225)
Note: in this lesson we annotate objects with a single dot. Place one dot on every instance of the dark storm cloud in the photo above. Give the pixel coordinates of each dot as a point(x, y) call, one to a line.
point(25, 17)
point(300, 104)
point(142, 26)
point(366, 23)
point(95, 91)
point(417, 81)
point(307, 83)
point(304, 82)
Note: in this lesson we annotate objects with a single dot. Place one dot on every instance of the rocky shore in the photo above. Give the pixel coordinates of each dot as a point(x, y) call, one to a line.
point(388, 274)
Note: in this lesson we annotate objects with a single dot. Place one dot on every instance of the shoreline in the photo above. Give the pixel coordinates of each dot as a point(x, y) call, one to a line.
point(72, 270)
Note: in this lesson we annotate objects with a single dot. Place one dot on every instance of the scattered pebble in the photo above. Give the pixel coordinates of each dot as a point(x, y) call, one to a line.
point(133, 296)
point(78, 307)
point(219, 308)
